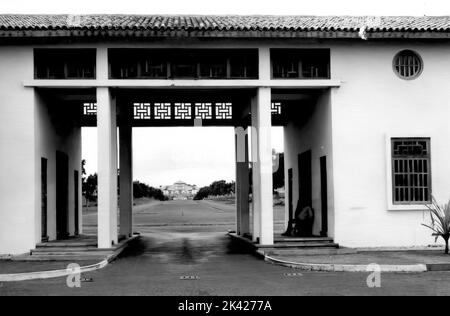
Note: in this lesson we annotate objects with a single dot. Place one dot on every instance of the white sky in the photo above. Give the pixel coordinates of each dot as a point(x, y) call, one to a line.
point(203, 155)
point(300, 7)
point(163, 155)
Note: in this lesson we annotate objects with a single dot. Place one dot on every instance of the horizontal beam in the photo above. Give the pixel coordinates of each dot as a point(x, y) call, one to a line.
point(192, 84)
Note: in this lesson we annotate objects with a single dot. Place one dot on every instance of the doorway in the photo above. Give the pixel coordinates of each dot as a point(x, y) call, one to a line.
point(324, 195)
point(62, 195)
point(305, 179)
point(44, 233)
point(76, 201)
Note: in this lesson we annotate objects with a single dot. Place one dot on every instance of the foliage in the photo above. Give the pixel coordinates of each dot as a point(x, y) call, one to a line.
point(217, 188)
point(90, 187)
point(440, 221)
point(141, 190)
point(90, 184)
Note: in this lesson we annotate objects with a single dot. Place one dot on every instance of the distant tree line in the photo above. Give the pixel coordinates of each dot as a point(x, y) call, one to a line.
point(140, 190)
point(217, 188)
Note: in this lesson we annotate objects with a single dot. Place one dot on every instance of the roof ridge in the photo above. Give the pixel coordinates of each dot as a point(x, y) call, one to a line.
point(198, 24)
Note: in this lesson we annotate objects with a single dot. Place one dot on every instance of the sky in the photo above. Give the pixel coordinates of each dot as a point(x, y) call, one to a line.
point(164, 155)
point(202, 155)
point(295, 7)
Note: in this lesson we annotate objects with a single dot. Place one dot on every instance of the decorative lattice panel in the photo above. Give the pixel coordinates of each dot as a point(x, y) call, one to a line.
point(183, 111)
point(142, 111)
point(203, 111)
point(163, 111)
point(224, 111)
point(90, 109)
point(276, 108)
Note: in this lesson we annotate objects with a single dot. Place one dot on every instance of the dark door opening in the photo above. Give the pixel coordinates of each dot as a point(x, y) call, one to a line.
point(324, 195)
point(44, 233)
point(76, 202)
point(305, 179)
point(290, 205)
point(62, 195)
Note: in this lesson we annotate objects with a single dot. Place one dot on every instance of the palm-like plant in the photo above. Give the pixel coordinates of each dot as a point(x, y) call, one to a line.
point(440, 221)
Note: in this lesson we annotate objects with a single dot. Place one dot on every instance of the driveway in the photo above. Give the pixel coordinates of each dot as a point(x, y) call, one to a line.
point(199, 259)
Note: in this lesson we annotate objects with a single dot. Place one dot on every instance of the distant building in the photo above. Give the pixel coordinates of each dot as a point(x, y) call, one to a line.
point(180, 190)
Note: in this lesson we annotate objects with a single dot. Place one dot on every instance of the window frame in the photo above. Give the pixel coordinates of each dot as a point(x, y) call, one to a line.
point(404, 206)
point(67, 57)
point(317, 58)
point(394, 67)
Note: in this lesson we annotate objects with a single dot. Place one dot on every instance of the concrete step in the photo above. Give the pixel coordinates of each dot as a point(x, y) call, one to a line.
point(301, 245)
point(65, 249)
point(60, 244)
point(303, 239)
point(308, 251)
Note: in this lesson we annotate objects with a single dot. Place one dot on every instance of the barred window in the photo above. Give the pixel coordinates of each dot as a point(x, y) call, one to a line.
point(411, 172)
point(408, 64)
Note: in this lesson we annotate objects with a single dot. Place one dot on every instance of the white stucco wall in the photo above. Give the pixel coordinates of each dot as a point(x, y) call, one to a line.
point(17, 157)
point(315, 135)
point(26, 135)
point(372, 104)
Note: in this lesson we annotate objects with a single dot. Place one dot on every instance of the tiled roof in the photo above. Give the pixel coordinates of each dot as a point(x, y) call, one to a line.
point(237, 25)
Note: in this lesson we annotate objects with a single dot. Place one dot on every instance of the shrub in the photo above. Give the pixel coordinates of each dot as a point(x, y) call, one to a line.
point(440, 221)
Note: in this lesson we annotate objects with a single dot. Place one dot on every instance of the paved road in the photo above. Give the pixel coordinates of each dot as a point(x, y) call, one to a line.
point(165, 254)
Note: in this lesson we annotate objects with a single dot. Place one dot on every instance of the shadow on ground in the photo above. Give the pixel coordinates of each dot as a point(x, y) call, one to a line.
point(185, 248)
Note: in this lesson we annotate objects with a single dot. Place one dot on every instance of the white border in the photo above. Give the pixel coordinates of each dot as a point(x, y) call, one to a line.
point(390, 205)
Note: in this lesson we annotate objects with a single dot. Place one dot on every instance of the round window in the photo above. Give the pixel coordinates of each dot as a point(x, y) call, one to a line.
point(408, 64)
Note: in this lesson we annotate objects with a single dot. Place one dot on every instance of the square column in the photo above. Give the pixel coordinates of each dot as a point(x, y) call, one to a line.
point(107, 168)
point(242, 181)
point(126, 180)
point(262, 166)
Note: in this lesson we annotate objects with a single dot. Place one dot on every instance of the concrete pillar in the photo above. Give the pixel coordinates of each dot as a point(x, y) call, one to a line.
point(102, 68)
point(126, 180)
point(107, 168)
point(242, 181)
point(262, 166)
point(264, 63)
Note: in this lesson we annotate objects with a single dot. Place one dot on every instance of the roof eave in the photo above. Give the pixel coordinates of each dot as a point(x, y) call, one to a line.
point(143, 33)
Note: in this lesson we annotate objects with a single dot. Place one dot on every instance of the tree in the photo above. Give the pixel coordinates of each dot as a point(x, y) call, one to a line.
point(90, 187)
point(203, 193)
point(141, 190)
point(217, 188)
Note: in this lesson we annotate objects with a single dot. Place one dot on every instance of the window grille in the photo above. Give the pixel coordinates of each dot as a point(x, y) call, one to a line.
point(411, 170)
point(408, 64)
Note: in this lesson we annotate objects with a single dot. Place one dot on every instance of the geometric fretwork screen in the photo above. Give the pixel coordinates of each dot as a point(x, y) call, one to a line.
point(89, 109)
point(224, 111)
point(142, 111)
point(163, 111)
point(276, 108)
point(203, 111)
point(183, 111)
point(180, 110)
point(411, 170)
